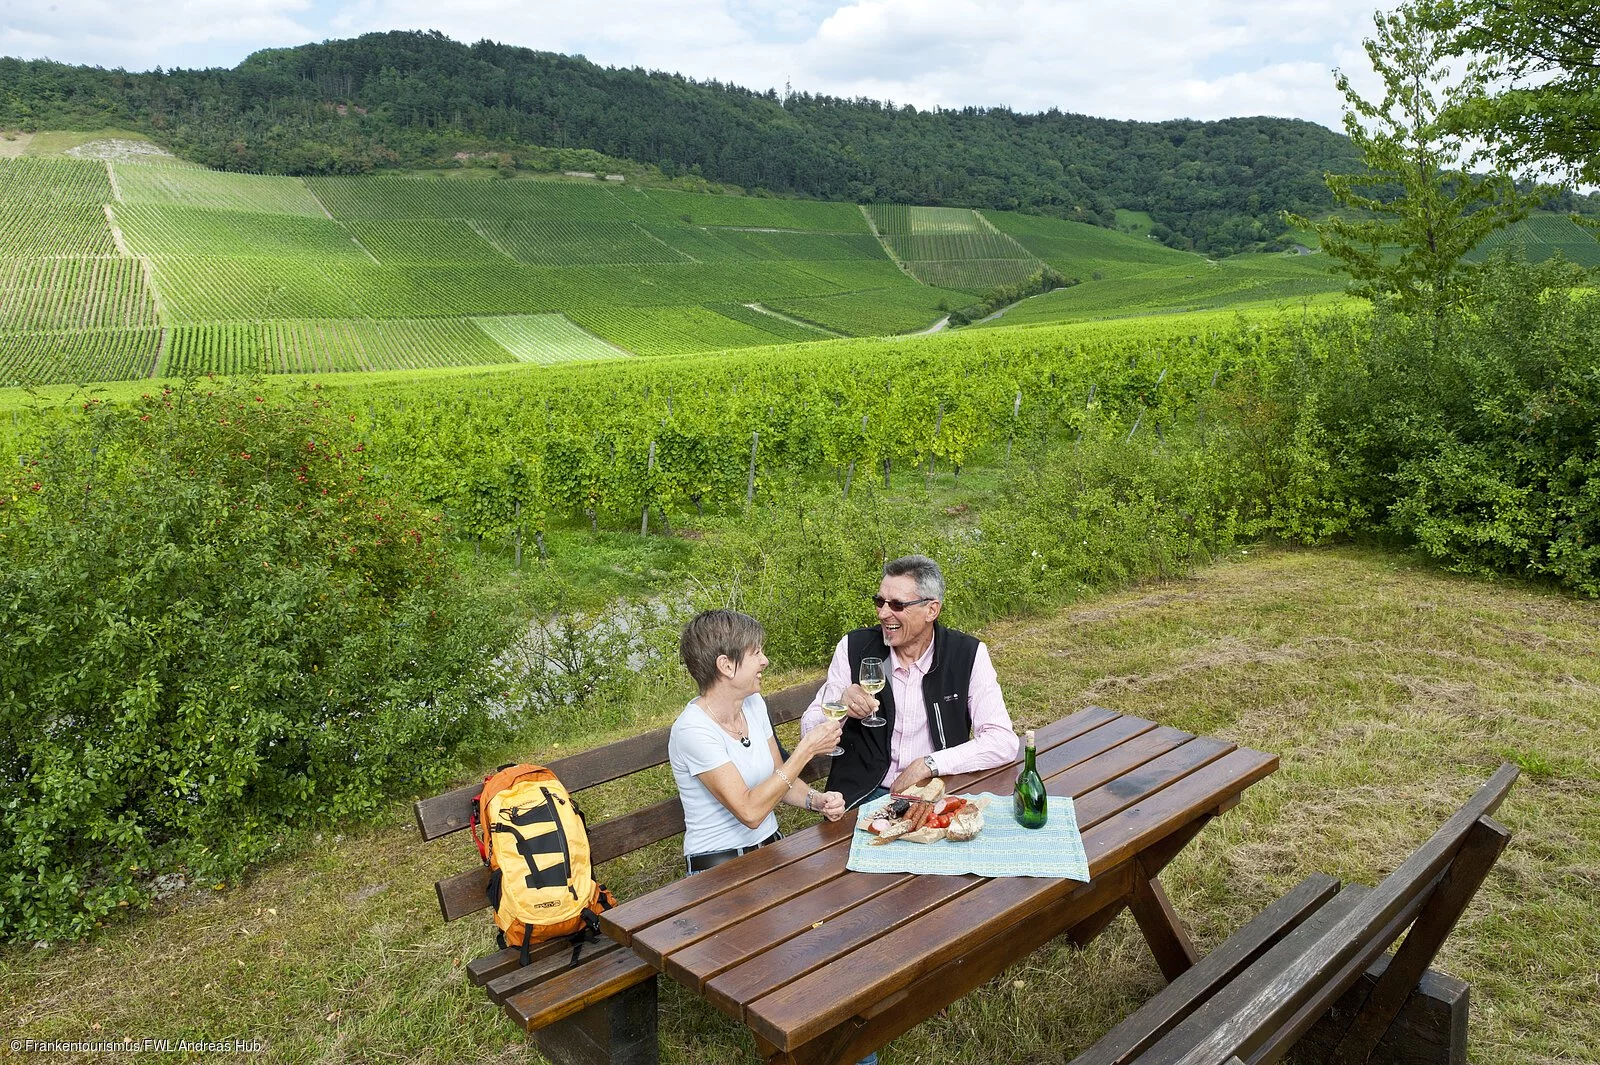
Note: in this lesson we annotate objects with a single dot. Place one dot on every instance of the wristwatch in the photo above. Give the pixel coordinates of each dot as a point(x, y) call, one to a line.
point(927, 760)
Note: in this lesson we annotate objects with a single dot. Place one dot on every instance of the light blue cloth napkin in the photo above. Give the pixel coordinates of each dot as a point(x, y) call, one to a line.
point(1003, 848)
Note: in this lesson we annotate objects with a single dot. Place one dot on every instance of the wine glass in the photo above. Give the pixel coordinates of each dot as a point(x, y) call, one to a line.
point(873, 679)
point(835, 710)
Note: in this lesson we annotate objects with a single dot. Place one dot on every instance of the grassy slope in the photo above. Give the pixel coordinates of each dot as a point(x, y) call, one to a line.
point(1196, 286)
point(1389, 690)
point(637, 267)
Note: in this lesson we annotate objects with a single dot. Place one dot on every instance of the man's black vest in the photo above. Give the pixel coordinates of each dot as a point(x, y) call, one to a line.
point(944, 695)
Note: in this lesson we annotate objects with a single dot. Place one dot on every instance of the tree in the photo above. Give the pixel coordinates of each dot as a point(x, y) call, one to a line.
point(1415, 212)
point(1538, 64)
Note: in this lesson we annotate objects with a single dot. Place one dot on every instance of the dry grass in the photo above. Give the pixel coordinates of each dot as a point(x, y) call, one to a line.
point(1390, 691)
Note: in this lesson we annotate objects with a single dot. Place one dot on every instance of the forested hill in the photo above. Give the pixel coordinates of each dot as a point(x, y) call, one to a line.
point(417, 99)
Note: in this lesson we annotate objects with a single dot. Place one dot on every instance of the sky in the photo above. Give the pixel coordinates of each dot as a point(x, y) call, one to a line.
point(1136, 59)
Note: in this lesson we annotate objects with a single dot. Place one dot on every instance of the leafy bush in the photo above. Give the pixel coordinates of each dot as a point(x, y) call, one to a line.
point(1090, 515)
point(805, 568)
point(216, 624)
point(1476, 436)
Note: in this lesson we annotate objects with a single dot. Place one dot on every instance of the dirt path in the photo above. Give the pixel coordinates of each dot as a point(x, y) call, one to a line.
point(759, 309)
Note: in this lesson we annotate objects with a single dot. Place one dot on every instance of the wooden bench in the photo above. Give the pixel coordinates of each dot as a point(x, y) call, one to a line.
point(1310, 972)
point(601, 1008)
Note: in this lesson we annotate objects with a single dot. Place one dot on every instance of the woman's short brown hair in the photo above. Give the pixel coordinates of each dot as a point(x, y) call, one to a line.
point(714, 633)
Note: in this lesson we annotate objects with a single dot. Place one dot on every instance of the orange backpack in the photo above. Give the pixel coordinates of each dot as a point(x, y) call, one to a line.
point(532, 837)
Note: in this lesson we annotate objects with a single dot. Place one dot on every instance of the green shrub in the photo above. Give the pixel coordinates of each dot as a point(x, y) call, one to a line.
point(1098, 513)
point(216, 625)
point(1475, 437)
point(806, 567)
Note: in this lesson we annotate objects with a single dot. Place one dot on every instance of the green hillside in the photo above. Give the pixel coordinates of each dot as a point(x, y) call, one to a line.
point(1197, 285)
point(112, 268)
point(1541, 236)
point(187, 271)
point(417, 100)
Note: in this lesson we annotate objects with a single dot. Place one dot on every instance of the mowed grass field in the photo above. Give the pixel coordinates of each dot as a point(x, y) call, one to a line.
point(1388, 689)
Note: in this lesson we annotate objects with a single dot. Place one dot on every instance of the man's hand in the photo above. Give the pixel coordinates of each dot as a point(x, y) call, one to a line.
point(832, 806)
point(910, 777)
point(859, 702)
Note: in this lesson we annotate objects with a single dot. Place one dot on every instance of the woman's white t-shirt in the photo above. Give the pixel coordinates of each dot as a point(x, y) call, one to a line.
point(698, 745)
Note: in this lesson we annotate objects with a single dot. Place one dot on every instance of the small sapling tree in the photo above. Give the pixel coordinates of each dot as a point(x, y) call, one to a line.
point(1415, 212)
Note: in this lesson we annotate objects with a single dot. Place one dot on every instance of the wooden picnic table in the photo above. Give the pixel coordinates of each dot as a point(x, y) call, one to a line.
point(824, 964)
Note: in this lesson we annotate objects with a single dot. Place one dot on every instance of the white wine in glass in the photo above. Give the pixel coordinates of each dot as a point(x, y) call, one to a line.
point(873, 678)
point(834, 710)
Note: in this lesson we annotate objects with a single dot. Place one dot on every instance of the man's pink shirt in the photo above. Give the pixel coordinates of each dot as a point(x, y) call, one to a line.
point(993, 742)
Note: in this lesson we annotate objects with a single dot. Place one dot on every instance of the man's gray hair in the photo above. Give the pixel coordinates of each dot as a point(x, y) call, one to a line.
point(713, 634)
point(924, 570)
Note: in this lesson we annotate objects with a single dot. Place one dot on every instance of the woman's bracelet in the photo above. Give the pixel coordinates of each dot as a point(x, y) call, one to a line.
point(809, 808)
point(785, 778)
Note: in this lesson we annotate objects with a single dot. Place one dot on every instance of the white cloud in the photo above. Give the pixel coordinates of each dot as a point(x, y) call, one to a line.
point(1142, 59)
point(139, 34)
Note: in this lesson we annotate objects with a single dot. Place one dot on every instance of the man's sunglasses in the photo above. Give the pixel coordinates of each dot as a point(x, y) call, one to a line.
point(899, 605)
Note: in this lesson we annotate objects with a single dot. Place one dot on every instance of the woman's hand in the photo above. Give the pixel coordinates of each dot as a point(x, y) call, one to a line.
point(832, 805)
point(825, 737)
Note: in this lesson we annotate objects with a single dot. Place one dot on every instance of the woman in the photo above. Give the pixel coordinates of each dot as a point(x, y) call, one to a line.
point(725, 759)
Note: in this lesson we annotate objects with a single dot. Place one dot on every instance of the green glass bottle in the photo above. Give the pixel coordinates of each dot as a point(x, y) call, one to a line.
point(1031, 807)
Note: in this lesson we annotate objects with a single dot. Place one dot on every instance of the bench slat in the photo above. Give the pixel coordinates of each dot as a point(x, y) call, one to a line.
point(1213, 972)
point(525, 976)
point(1279, 993)
point(452, 811)
point(570, 992)
point(481, 970)
point(1479, 851)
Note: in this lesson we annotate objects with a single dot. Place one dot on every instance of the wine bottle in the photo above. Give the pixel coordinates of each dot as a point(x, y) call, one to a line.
point(1029, 799)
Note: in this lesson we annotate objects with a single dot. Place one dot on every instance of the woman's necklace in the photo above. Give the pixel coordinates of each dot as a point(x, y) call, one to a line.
point(743, 733)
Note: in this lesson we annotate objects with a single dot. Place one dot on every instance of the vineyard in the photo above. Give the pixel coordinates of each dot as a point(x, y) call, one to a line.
point(495, 451)
point(80, 355)
point(249, 273)
point(1289, 279)
point(545, 339)
point(1541, 236)
point(952, 248)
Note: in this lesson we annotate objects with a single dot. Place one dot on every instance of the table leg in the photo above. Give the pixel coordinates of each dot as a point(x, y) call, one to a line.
point(1157, 920)
point(1162, 929)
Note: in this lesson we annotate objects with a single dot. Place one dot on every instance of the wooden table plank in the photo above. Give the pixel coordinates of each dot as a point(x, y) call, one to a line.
point(656, 941)
point(805, 1008)
point(1075, 738)
point(993, 950)
point(624, 920)
point(693, 965)
point(835, 939)
point(1157, 754)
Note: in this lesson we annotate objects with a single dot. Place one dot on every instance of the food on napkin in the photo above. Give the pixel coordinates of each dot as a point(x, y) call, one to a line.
point(925, 814)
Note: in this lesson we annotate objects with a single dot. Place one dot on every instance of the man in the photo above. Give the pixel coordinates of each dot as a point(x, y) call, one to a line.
point(943, 707)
